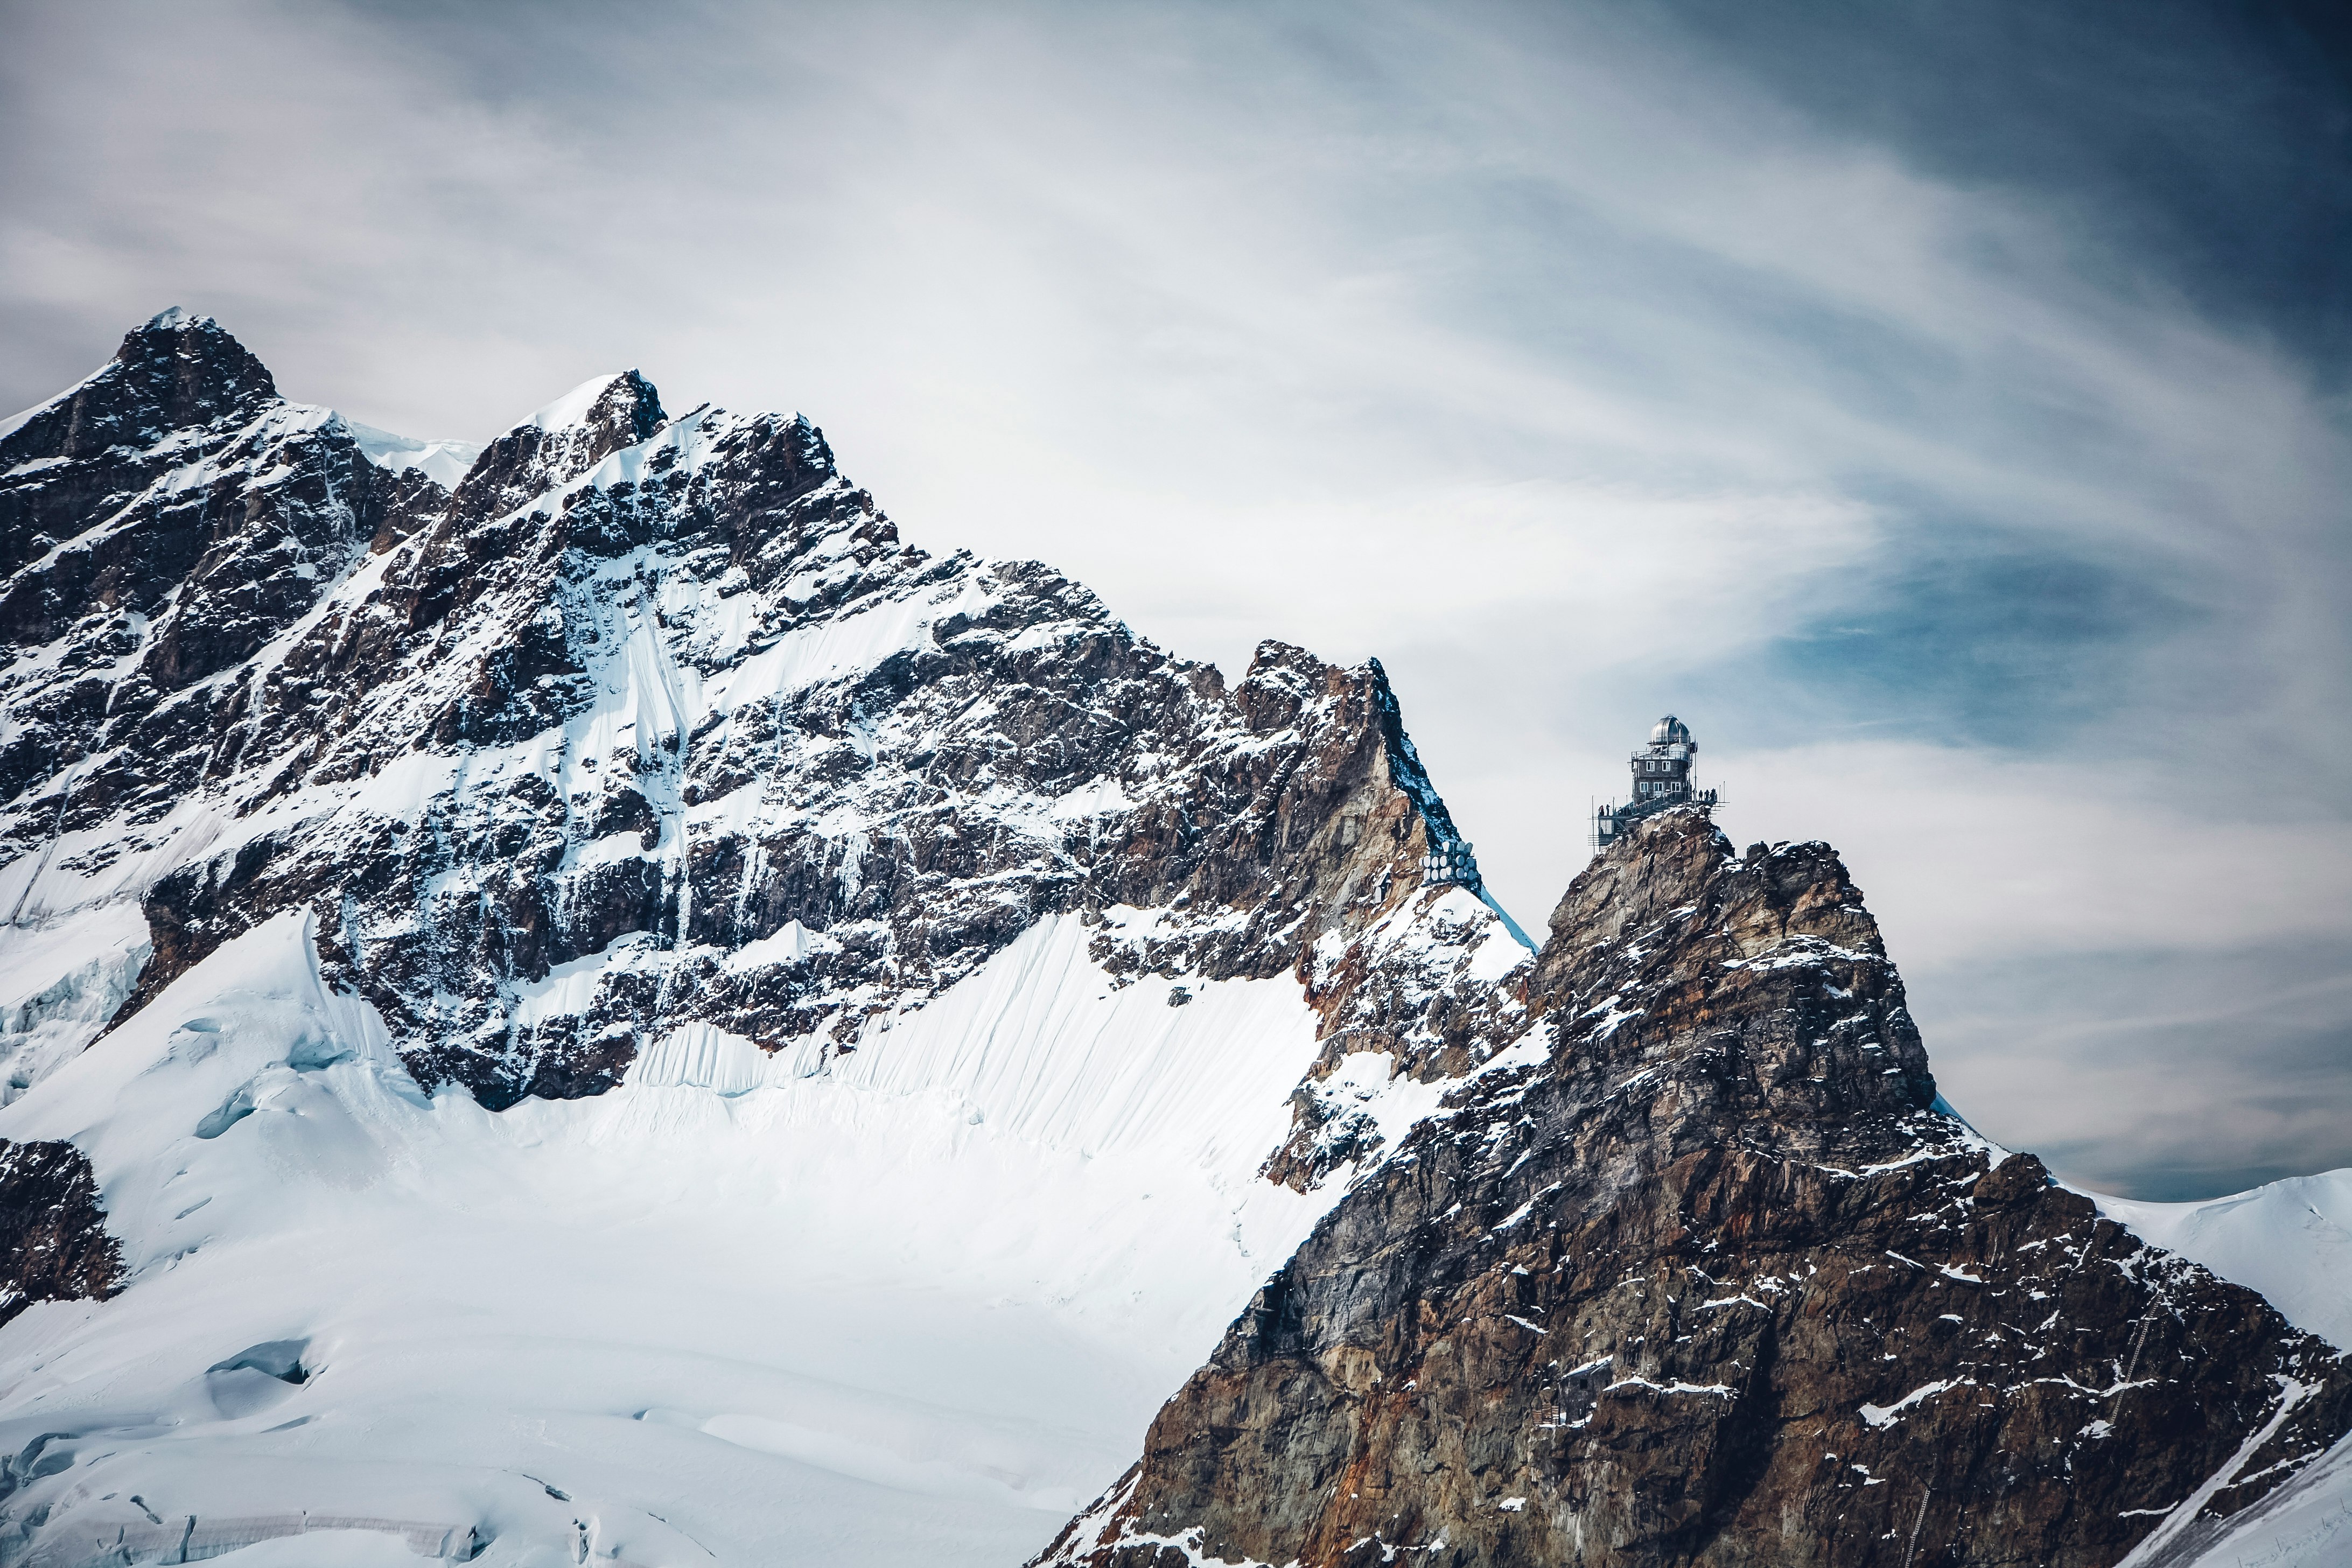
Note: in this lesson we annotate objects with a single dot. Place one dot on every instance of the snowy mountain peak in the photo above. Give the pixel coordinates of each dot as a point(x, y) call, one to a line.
point(635, 698)
point(443, 462)
point(178, 371)
point(561, 442)
point(599, 400)
point(617, 1010)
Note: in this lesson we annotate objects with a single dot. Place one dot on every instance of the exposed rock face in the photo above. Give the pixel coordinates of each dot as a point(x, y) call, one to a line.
point(655, 721)
point(1691, 1272)
point(158, 524)
point(649, 721)
point(53, 1241)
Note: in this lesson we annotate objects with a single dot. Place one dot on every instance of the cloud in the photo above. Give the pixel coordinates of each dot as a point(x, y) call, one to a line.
point(2155, 1074)
point(1579, 364)
point(1972, 855)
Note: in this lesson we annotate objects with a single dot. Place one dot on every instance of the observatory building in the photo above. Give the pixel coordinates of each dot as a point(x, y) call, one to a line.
point(1662, 779)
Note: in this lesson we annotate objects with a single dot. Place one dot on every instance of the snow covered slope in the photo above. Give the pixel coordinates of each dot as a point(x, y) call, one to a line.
point(2291, 1240)
point(583, 1001)
point(443, 462)
point(919, 1312)
point(2307, 1523)
point(637, 1016)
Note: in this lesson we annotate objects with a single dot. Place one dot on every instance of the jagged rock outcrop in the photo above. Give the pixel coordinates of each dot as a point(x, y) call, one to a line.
point(649, 721)
point(158, 524)
point(1692, 1270)
point(53, 1246)
point(1655, 1247)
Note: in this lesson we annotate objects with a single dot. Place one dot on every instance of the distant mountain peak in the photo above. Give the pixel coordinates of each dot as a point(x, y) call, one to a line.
point(176, 372)
point(563, 441)
point(618, 400)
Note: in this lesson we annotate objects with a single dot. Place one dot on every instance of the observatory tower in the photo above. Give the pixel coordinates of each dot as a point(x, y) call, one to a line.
point(1662, 779)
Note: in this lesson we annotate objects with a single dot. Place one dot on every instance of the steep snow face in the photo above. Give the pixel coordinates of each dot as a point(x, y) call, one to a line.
point(647, 1015)
point(2291, 1240)
point(2307, 1523)
point(920, 1310)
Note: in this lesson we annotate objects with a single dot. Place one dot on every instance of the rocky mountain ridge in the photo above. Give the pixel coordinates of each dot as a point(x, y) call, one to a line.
point(661, 707)
point(642, 807)
point(1695, 1270)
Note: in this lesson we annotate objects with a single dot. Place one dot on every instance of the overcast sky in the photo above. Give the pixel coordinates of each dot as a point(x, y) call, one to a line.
point(1942, 408)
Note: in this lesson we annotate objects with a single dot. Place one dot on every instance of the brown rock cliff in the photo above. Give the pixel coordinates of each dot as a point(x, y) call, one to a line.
point(1694, 1273)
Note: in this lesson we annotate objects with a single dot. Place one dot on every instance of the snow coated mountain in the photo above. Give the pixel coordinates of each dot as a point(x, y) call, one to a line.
point(640, 986)
point(582, 1001)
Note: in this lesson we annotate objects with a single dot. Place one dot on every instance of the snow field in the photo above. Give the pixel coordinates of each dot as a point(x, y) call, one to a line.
point(921, 1306)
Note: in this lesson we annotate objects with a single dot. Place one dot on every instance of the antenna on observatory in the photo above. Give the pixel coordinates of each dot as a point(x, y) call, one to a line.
point(1662, 779)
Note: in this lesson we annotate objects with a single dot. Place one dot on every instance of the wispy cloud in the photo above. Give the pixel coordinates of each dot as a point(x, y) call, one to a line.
point(1579, 364)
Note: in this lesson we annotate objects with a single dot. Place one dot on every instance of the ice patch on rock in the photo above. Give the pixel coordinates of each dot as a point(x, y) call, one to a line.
point(60, 984)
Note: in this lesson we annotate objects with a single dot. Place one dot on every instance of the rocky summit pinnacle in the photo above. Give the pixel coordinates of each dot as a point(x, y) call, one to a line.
point(1696, 1272)
point(606, 1010)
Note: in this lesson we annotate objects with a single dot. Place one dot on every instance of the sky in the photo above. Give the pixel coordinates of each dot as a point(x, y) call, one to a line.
point(1943, 409)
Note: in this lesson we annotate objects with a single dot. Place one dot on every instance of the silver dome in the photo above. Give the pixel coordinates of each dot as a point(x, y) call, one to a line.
point(1670, 731)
